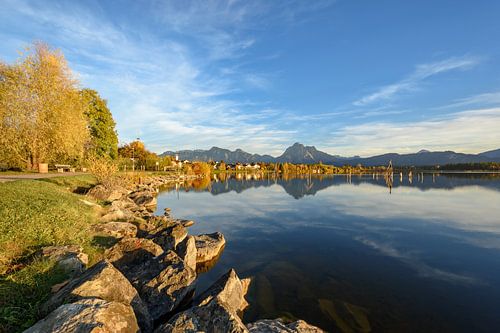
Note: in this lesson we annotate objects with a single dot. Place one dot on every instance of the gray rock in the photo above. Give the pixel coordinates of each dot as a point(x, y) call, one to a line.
point(115, 195)
point(301, 326)
point(209, 246)
point(101, 192)
point(131, 253)
point(70, 258)
point(187, 251)
point(185, 223)
point(116, 229)
point(228, 289)
point(118, 215)
point(105, 282)
point(277, 326)
point(216, 309)
point(144, 198)
point(168, 237)
point(89, 315)
point(162, 279)
point(124, 203)
point(213, 317)
point(164, 283)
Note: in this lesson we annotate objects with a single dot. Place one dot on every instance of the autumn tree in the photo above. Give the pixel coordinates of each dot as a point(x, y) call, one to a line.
point(41, 114)
point(142, 156)
point(103, 137)
point(135, 149)
point(201, 168)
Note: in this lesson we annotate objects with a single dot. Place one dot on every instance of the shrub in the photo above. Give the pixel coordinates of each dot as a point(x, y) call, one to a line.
point(104, 170)
point(201, 168)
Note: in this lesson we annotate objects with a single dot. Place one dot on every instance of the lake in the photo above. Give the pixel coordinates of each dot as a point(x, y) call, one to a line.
point(349, 254)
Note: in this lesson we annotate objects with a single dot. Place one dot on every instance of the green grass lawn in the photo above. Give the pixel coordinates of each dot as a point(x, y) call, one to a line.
point(33, 214)
point(79, 184)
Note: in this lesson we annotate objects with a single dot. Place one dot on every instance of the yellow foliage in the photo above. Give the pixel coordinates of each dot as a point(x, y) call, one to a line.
point(104, 169)
point(41, 113)
point(201, 168)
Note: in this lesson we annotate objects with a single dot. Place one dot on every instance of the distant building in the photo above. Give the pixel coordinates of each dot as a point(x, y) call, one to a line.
point(252, 166)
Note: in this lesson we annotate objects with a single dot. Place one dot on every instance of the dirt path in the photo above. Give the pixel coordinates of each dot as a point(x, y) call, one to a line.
point(8, 178)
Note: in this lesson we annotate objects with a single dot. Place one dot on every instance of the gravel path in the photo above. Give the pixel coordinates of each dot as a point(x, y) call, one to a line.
point(8, 178)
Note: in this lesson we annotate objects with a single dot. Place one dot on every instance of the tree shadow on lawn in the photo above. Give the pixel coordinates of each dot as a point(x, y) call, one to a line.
point(104, 242)
point(23, 292)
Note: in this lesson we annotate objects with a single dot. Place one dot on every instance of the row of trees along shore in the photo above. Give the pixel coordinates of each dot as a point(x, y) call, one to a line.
point(46, 117)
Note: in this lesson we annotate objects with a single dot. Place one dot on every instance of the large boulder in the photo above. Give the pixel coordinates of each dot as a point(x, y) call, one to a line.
point(124, 203)
point(216, 309)
point(169, 235)
point(187, 252)
point(229, 290)
point(116, 229)
point(213, 317)
point(162, 279)
point(129, 253)
point(144, 198)
point(123, 215)
point(164, 284)
point(88, 316)
point(69, 258)
point(105, 282)
point(209, 246)
point(278, 326)
point(103, 193)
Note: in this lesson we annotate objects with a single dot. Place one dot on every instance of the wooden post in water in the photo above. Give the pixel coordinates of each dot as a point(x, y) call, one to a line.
point(389, 176)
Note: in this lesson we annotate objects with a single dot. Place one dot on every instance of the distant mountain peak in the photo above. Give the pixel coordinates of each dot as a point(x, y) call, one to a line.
point(300, 154)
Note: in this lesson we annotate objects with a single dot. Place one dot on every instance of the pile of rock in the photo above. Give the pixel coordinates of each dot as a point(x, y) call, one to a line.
point(146, 283)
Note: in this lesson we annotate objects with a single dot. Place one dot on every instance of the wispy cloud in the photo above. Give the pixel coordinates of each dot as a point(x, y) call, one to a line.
point(470, 131)
point(167, 88)
point(479, 100)
point(421, 72)
point(192, 74)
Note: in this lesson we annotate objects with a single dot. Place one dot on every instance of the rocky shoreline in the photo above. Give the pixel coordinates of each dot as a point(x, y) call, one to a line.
point(146, 281)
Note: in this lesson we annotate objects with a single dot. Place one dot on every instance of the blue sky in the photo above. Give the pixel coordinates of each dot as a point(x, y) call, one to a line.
point(352, 77)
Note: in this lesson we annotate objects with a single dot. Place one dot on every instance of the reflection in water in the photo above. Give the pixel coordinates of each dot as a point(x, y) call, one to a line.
point(299, 186)
point(342, 253)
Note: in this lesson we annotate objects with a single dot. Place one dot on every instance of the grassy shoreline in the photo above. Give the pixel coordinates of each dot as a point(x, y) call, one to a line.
point(33, 214)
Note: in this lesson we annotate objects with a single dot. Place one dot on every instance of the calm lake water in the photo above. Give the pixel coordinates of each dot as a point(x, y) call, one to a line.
point(346, 255)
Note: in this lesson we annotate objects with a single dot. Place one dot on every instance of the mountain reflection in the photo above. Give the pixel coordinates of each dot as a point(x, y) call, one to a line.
point(299, 186)
point(425, 256)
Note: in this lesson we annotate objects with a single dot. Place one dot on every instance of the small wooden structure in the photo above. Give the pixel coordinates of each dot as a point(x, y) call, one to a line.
point(64, 167)
point(43, 168)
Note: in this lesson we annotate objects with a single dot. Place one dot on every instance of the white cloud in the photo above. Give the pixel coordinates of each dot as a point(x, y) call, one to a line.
point(467, 131)
point(481, 100)
point(420, 73)
point(160, 88)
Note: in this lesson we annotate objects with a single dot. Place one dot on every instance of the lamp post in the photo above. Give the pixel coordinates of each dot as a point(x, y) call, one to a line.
point(133, 159)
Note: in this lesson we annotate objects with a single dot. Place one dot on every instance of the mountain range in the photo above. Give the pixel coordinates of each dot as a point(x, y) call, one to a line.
point(298, 153)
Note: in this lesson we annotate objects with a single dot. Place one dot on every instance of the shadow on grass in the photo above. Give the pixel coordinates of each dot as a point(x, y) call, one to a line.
point(104, 242)
point(82, 189)
point(22, 294)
